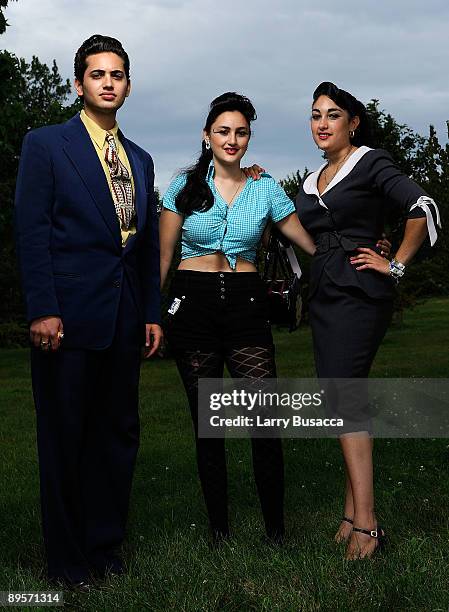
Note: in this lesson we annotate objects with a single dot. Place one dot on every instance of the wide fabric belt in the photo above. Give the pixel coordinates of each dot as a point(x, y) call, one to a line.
point(334, 240)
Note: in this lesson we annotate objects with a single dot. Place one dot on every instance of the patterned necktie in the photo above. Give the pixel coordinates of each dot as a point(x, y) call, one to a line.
point(122, 192)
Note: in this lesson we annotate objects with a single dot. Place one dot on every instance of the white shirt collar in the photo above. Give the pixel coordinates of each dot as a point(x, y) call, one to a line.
point(310, 184)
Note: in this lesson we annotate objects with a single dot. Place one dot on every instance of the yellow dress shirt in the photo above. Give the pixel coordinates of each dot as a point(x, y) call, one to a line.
point(98, 137)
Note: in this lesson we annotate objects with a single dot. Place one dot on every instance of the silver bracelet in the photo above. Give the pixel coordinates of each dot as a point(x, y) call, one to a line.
point(397, 269)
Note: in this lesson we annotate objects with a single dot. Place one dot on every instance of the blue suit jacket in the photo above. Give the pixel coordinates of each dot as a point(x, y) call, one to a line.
point(68, 235)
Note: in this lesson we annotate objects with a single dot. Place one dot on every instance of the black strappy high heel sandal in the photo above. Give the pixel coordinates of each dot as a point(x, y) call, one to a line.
point(378, 533)
point(348, 520)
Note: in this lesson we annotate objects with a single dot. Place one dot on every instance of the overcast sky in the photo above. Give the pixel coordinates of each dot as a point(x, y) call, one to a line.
point(183, 54)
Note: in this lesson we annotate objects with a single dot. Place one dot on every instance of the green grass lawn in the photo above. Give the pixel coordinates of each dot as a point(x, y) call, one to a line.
point(169, 562)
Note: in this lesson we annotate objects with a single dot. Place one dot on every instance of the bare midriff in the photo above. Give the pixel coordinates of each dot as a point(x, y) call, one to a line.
point(216, 262)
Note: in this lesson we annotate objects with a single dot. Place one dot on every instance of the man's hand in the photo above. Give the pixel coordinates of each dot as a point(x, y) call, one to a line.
point(46, 333)
point(153, 338)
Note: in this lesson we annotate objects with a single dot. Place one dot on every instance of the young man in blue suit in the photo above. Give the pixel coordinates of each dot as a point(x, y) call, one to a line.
point(87, 239)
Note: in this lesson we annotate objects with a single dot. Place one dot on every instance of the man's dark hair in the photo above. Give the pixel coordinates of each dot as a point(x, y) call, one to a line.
point(98, 44)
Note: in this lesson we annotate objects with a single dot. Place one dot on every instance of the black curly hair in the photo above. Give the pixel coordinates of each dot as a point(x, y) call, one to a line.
point(349, 103)
point(196, 194)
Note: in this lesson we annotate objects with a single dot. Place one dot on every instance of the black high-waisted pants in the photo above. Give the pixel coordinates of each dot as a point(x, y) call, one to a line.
point(222, 318)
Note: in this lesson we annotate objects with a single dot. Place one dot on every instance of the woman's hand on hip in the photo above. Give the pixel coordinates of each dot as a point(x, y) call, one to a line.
point(367, 259)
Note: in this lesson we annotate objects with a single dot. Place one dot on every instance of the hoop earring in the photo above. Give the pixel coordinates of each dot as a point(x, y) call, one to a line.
point(207, 144)
point(351, 133)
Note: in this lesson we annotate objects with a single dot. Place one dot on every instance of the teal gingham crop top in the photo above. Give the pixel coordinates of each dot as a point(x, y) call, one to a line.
point(236, 230)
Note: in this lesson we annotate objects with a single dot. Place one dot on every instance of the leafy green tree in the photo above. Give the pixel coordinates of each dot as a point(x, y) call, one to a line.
point(292, 183)
point(426, 161)
point(32, 94)
point(3, 23)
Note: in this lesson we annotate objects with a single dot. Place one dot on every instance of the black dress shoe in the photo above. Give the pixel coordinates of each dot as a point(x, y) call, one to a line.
point(218, 538)
point(80, 586)
point(275, 535)
point(112, 567)
point(275, 539)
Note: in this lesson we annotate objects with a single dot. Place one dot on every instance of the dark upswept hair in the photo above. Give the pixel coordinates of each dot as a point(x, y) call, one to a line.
point(196, 193)
point(349, 103)
point(98, 44)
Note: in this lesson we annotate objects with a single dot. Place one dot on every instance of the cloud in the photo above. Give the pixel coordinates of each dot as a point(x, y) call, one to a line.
point(183, 54)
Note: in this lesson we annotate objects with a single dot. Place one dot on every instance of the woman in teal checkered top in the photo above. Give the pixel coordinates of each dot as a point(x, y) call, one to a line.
point(219, 310)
